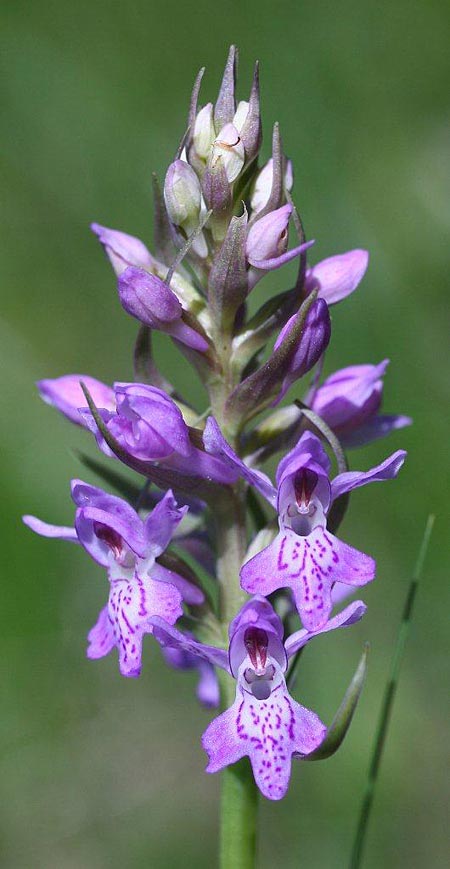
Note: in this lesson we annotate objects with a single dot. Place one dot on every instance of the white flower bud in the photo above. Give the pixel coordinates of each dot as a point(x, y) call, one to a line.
point(229, 147)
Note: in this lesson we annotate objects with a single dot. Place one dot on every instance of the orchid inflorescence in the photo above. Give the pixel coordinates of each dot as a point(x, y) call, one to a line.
point(200, 535)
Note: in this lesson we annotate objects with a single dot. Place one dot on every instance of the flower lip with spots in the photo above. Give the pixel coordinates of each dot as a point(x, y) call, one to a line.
point(119, 540)
point(305, 556)
point(264, 722)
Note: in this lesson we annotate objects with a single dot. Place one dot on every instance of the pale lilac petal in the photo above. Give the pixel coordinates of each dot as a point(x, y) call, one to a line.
point(66, 394)
point(351, 614)
point(350, 480)
point(46, 530)
point(101, 637)
point(269, 265)
point(269, 732)
point(338, 276)
point(262, 574)
point(190, 593)
point(123, 250)
point(132, 606)
point(373, 429)
point(170, 636)
point(216, 444)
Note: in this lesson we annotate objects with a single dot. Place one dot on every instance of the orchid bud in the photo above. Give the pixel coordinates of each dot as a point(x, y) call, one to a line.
point(313, 342)
point(153, 303)
point(268, 237)
point(349, 400)
point(182, 195)
point(204, 132)
point(230, 148)
point(263, 184)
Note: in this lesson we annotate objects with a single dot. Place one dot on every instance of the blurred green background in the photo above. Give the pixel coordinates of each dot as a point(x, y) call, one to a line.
point(99, 771)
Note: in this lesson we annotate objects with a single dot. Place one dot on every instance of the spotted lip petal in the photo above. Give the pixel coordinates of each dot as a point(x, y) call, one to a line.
point(309, 566)
point(131, 606)
point(269, 732)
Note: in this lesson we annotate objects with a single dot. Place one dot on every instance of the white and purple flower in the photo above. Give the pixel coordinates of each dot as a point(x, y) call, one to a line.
point(264, 723)
point(139, 588)
point(305, 556)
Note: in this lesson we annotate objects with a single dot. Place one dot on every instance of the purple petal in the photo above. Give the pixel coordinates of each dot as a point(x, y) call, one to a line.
point(269, 732)
point(132, 606)
point(268, 265)
point(97, 508)
point(148, 298)
point(170, 636)
point(307, 451)
point(161, 523)
point(338, 276)
point(66, 395)
point(208, 691)
point(350, 480)
point(351, 614)
point(123, 250)
point(46, 530)
point(190, 593)
point(258, 613)
point(373, 429)
point(101, 637)
point(309, 566)
point(216, 444)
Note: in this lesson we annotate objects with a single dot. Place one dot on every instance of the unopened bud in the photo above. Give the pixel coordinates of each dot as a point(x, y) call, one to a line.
point(230, 148)
point(204, 132)
point(182, 195)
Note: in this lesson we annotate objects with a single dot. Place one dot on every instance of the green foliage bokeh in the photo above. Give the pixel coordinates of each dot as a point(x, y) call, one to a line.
point(98, 771)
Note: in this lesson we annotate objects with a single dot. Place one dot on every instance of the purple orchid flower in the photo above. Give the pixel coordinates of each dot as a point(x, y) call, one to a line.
point(338, 276)
point(349, 400)
point(267, 243)
point(150, 427)
point(305, 556)
point(140, 588)
point(264, 721)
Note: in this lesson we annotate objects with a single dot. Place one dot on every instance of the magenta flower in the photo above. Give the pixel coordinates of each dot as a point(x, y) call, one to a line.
point(349, 400)
point(264, 722)
point(305, 556)
point(140, 588)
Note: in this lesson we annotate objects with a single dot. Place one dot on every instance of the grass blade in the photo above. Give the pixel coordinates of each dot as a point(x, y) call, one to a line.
point(388, 700)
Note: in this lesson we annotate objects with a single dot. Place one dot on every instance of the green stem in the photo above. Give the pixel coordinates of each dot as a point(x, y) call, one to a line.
point(238, 810)
point(238, 817)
